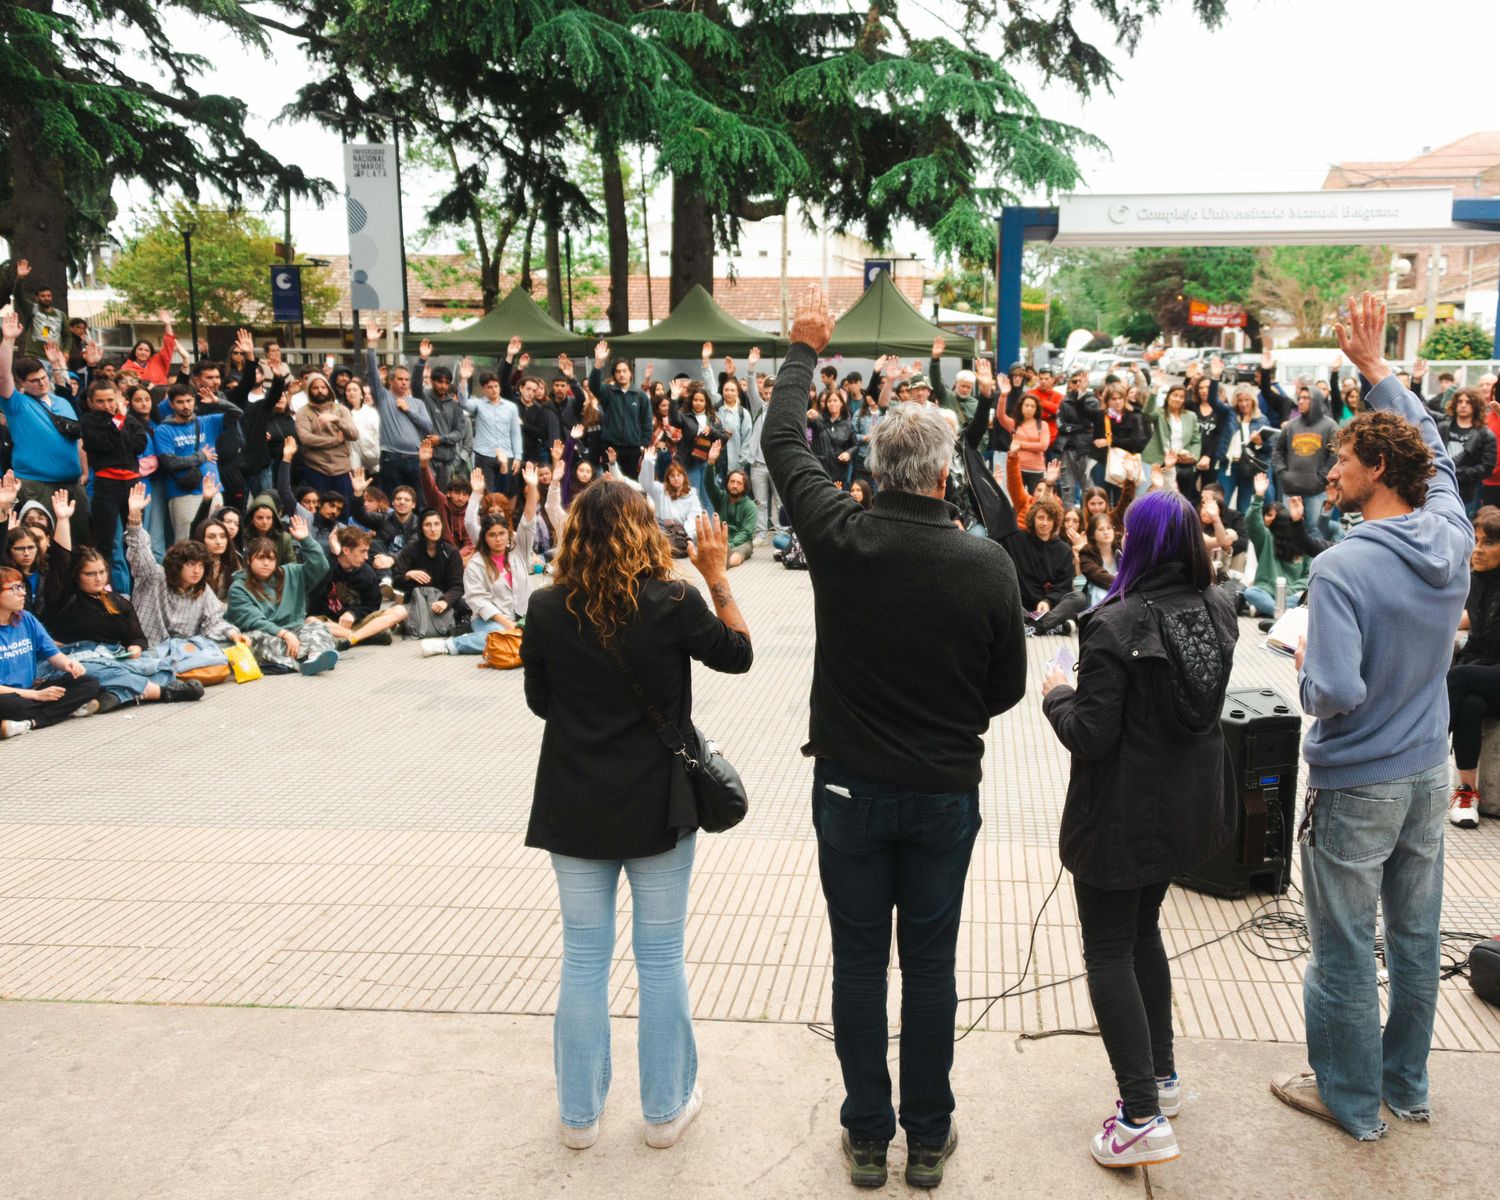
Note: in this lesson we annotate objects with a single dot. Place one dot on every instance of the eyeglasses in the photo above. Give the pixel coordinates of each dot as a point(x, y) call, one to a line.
point(33, 380)
point(14, 587)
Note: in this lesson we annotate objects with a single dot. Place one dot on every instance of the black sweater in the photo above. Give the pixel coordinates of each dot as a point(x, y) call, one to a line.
point(75, 616)
point(901, 700)
point(1483, 606)
point(1044, 569)
point(445, 567)
point(112, 447)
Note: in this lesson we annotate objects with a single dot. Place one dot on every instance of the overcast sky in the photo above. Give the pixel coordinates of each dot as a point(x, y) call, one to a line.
point(1267, 102)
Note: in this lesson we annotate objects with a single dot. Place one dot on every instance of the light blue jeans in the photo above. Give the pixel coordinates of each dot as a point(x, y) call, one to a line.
point(1377, 844)
point(580, 1031)
point(125, 677)
point(473, 641)
point(1263, 603)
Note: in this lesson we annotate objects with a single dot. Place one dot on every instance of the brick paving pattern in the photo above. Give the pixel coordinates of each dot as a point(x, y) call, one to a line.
point(355, 841)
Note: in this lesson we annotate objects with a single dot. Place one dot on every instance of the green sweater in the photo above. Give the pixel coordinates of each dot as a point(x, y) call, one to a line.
point(290, 612)
point(1267, 565)
point(739, 515)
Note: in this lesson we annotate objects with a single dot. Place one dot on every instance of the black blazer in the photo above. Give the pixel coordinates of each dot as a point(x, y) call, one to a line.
point(604, 778)
point(1151, 791)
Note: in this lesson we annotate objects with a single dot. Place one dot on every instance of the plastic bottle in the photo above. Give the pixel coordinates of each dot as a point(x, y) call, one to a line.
point(1280, 595)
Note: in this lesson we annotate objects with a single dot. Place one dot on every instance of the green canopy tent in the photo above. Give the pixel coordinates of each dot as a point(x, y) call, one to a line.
point(884, 321)
point(698, 318)
point(518, 315)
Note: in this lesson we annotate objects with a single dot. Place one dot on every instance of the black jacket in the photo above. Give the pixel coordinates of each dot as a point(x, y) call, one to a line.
point(445, 567)
point(1130, 434)
point(112, 447)
point(1075, 423)
point(1044, 570)
point(1472, 451)
point(72, 615)
point(604, 780)
point(1151, 790)
point(341, 591)
point(1483, 606)
point(901, 700)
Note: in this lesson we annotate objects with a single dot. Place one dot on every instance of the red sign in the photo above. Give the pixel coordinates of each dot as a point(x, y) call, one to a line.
point(1216, 316)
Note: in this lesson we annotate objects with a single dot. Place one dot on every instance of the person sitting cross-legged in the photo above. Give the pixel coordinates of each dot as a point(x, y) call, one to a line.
point(348, 597)
point(497, 581)
point(734, 505)
point(268, 600)
point(27, 703)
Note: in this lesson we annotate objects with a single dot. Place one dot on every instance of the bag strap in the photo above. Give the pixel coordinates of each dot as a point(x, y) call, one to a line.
point(670, 737)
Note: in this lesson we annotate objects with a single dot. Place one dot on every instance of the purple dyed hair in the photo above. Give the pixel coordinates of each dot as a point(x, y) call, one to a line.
point(1160, 528)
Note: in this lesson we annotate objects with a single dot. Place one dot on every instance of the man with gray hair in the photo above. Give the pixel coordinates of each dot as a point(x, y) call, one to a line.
point(899, 709)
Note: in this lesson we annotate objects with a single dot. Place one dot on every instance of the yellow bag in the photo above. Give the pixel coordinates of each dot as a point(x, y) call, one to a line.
point(502, 649)
point(242, 662)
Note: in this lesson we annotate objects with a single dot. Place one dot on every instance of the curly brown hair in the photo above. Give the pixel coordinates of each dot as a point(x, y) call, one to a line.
point(1045, 505)
point(1385, 437)
point(178, 555)
point(610, 544)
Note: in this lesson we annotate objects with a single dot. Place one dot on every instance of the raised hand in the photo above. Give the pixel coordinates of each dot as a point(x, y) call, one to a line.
point(10, 326)
point(938, 346)
point(273, 355)
point(512, 348)
point(528, 475)
point(708, 352)
point(1052, 472)
point(612, 454)
point(63, 505)
point(424, 349)
point(1261, 483)
point(557, 451)
point(710, 553)
point(812, 325)
point(424, 452)
point(357, 481)
point(10, 488)
point(93, 353)
point(476, 481)
point(1267, 359)
point(288, 449)
point(210, 487)
point(23, 269)
point(524, 361)
point(1294, 507)
point(984, 376)
point(466, 369)
point(1216, 367)
point(565, 366)
point(245, 344)
point(647, 373)
point(714, 451)
point(298, 527)
point(728, 365)
point(576, 433)
point(601, 352)
point(1362, 341)
point(55, 356)
point(372, 332)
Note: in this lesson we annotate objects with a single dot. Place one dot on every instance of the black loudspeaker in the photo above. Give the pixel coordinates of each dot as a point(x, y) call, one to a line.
point(1263, 732)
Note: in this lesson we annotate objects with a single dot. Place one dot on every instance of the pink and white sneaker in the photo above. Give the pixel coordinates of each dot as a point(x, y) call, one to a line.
point(1121, 1144)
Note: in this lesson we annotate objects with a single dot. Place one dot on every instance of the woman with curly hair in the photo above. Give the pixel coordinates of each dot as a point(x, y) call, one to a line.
point(610, 797)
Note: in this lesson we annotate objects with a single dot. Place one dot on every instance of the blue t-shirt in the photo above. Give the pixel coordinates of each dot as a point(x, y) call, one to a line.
point(40, 451)
point(23, 645)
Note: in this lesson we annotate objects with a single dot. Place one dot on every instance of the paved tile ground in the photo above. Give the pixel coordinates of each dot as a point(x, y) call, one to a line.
point(355, 841)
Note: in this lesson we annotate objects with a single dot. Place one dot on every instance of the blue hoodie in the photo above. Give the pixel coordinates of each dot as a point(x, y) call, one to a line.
point(1383, 606)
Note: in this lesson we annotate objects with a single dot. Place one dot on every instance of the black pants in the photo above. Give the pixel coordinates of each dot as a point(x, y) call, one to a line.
point(1062, 608)
point(1473, 695)
point(882, 848)
point(396, 469)
point(1130, 984)
point(496, 481)
point(629, 458)
point(76, 693)
point(110, 502)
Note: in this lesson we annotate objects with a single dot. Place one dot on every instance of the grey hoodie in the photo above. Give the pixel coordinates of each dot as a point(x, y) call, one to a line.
point(1303, 453)
point(1382, 608)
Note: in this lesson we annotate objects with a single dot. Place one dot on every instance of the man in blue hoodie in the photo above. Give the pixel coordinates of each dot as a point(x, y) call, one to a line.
point(1383, 606)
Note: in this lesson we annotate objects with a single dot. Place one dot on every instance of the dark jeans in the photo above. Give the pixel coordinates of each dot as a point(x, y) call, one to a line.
point(1473, 695)
point(1064, 607)
point(76, 693)
point(342, 484)
point(496, 481)
point(1130, 984)
point(882, 847)
point(396, 469)
point(105, 510)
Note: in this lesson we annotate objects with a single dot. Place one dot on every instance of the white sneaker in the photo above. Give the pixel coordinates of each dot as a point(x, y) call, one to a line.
point(1120, 1144)
point(660, 1137)
point(1169, 1095)
point(576, 1137)
point(14, 729)
point(432, 647)
point(1463, 807)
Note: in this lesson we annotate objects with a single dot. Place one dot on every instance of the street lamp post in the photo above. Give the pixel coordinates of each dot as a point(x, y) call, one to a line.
point(187, 250)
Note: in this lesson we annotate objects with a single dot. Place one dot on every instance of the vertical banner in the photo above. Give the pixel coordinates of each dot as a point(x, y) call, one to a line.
point(286, 294)
point(374, 228)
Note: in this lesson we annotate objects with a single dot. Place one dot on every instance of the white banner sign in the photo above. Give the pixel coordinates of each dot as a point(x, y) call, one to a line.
point(374, 228)
point(1363, 216)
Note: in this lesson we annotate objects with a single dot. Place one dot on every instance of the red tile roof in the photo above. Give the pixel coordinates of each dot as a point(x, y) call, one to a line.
point(1471, 166)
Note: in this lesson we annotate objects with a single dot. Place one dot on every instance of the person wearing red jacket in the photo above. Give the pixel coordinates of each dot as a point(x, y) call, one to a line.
point(153, 366)
point(1489, 492)
point(1048, 400)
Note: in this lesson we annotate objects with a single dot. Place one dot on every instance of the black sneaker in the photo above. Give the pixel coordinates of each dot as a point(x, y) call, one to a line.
point(180, 690)
point(383, 638)
point(108, 702)
point(924, 1164)
point(866, 1161)
point(1265, 625)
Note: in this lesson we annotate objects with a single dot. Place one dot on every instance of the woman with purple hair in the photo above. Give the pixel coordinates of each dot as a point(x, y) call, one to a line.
point(1149, 795)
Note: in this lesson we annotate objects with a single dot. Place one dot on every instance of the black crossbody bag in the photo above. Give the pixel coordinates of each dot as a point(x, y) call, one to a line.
point(718, 791)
